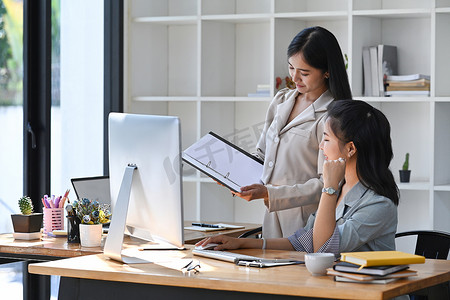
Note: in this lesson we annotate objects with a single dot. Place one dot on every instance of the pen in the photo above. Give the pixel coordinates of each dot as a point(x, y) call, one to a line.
point(57, 199)
point(64, 198)
point(47, 204)
point(206, 225)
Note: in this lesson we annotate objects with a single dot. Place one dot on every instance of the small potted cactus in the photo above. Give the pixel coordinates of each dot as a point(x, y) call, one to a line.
point(26, 221)
point(405, 172)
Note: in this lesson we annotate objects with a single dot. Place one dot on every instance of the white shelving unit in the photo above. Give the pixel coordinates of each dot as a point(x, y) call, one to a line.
point(199, 59)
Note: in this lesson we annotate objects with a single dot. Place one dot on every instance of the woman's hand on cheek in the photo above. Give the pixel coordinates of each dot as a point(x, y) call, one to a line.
point(333, 172)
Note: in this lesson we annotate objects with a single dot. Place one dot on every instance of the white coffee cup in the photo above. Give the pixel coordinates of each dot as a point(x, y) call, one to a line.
point(318, 263)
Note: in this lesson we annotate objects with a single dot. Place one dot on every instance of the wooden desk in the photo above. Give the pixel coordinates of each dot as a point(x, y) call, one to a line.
point(84, 276)
point(49, 249)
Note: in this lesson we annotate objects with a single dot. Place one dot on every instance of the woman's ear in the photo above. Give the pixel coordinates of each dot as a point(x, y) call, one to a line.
point(351, 149)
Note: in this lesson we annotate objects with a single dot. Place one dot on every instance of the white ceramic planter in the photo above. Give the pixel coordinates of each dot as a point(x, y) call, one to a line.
point(91, 235)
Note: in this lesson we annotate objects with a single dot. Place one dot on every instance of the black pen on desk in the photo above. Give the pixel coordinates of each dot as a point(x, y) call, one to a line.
point(206, 225)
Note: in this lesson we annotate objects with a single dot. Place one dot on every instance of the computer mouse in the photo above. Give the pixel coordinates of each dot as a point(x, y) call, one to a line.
point(209, 246)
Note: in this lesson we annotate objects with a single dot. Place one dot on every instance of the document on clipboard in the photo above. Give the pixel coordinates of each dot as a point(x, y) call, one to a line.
point(224, 162)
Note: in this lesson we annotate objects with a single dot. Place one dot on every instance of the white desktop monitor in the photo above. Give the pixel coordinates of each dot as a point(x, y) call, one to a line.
point(155, 208)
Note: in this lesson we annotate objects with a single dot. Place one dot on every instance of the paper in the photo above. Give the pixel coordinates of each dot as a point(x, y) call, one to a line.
point(223, 227)
point(199, 228)
point(229, 226)
point(224, 162)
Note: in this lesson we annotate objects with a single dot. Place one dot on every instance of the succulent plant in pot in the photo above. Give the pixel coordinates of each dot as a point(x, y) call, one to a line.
point(85, 222)
point(26, 221)
point(405, 172)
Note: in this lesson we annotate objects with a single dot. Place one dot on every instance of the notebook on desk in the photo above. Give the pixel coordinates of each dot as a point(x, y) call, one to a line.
point(217, 226)
point(244, 260)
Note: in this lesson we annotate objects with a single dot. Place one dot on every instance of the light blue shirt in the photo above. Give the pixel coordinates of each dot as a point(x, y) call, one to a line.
point(365, 221)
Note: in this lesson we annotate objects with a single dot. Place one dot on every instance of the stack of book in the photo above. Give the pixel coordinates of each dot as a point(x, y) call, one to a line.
point(378, 267)
point(408, 85)
point(262, 90)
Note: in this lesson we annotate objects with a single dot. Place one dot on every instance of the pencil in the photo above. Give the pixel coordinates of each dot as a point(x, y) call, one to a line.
point(63, 200)
point(43, 202)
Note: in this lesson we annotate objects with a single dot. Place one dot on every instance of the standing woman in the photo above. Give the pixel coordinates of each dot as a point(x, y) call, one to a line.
point(289, 143)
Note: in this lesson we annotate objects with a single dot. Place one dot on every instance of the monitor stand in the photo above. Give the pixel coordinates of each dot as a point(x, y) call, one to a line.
point(114, 240)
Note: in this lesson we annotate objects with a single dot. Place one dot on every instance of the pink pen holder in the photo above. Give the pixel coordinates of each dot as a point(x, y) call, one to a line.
point(53, 219)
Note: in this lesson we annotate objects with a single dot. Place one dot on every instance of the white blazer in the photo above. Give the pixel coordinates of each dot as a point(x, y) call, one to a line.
point(292, 162)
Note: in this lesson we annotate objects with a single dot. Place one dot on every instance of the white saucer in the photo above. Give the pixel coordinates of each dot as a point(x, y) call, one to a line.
point(27, 235)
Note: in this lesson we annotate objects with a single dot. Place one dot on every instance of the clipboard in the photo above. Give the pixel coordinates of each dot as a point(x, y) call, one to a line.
point(224, 162)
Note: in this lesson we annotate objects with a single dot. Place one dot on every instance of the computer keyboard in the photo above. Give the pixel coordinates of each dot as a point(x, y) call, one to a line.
point(224, 255)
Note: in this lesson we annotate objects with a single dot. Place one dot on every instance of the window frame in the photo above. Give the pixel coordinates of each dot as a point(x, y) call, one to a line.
point(37, 89)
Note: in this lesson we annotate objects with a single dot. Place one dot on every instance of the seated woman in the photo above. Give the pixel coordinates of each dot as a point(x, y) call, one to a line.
point(358, 205)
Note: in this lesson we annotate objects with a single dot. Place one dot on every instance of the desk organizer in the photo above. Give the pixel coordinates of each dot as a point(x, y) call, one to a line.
point(53, 219)
point(73, 229)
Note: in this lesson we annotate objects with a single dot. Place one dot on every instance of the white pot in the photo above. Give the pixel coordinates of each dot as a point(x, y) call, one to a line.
point(91, 235)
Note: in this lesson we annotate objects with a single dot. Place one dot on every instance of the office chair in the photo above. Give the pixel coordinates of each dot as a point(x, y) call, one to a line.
point(254, 232)
point(434, 245)
point(431, 244)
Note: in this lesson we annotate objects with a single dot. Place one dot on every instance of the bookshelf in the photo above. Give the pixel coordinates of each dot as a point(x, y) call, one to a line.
point(199, 59)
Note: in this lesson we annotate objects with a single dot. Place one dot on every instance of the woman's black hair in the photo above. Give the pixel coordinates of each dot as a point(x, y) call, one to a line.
point(369, 130)
point(321, 50)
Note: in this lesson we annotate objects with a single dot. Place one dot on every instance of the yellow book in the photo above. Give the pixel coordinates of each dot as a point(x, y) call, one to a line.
point(381, 258)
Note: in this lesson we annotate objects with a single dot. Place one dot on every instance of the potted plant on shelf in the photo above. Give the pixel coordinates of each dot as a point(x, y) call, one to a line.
point(27, 225)
point(405, 173)
point(91, 216)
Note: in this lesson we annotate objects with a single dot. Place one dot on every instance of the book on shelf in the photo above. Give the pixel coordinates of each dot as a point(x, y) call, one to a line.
point(262, 90)
point(410, 83)
point(376, 270)
point(407, 93)
point(369, 278)
point(407, 88)
point(259, 94)
point(263, 87)
point(387, 64)
point(373, 53)
point(407, 77)
point(367, 72)
point(381, 258)
point(224, 162)
point(378, 62)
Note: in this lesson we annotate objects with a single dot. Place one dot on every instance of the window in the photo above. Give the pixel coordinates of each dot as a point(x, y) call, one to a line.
point(77, 93)
point(11, 109)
